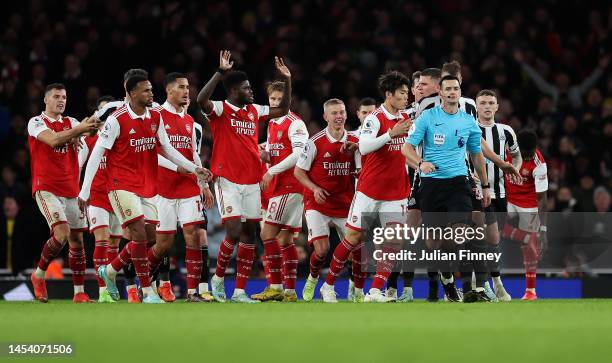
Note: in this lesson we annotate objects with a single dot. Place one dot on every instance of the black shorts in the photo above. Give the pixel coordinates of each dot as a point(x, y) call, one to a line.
point(496, 211)
point(445, 201)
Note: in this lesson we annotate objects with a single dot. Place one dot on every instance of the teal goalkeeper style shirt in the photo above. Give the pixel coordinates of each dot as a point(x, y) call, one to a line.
point(445, 139)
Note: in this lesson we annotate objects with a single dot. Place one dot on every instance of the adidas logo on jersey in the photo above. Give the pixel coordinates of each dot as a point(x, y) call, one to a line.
point(132, 131)
point(167, 126)
point(327, 155)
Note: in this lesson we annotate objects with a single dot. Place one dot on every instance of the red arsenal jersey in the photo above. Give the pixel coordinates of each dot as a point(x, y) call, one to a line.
point(132, 142)
point(535, 180)
point(55, 170)
point(181, 132)
point(383, 172)
point(330, 169)
point(235, 155)
point(285, 134)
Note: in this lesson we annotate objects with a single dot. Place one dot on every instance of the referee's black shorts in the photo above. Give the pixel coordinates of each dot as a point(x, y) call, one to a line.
point(496, 211)
point(445, 201)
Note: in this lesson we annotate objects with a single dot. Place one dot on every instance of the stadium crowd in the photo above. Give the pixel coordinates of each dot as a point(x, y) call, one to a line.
point(551, 78)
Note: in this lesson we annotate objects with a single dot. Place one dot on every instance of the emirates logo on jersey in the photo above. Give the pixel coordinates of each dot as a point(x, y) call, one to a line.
point(188, 128)
point(154, 128)
point(251, 116)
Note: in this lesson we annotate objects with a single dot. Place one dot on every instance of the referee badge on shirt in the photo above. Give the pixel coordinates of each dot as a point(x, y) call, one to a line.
point(439, 139)
point(461, 141)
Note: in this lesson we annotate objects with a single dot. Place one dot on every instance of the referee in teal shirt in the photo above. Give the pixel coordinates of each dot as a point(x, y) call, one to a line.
point(446, 133)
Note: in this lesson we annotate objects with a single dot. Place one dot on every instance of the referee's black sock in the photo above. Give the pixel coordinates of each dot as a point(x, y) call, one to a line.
point(466, 268)
point(408, 276)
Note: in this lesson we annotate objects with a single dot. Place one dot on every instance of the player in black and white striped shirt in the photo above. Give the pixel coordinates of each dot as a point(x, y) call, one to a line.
point(502, 139)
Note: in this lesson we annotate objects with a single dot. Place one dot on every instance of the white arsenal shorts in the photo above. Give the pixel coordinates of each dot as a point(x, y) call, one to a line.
point(286, 211)
point(129, 207)
point(100, 217)
point(57, 210)
point(387, 211)
point(529, 219)
point(319, 223)
point(238, 200)
point(186, 211)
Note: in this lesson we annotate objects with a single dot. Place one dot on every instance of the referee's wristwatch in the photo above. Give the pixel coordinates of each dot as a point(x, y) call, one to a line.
point(485, 186)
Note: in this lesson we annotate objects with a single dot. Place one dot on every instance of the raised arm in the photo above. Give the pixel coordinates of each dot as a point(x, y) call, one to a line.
point(204, 96)
point(283, 108)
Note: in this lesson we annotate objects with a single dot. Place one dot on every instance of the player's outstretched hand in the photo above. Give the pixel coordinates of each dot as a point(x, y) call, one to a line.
point(203, 174)
point(349, 147)
point(486, 197)
point(513, 173)
point(224, 60)
point(542, 244)
point(401, 128)
point(208, 198)
point(88, 126)
point(426, 167)
point(281, 67)
point(265, 180)
point(320, 195)
point(83, 205)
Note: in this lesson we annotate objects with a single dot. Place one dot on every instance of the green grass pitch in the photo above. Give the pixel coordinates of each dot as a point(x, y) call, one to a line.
point(542, 331)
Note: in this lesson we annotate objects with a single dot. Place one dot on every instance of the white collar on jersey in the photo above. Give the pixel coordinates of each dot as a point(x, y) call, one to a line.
point(332, 139)
point(168, 107)
point(388, 114)
point(234, 107)
point(134, 115)
point(45, 116)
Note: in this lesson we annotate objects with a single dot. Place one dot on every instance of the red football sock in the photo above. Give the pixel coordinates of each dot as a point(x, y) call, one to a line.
point(138, 251)
point(273, 261)
point(384, 268)
point(225, 254)
point(290, 262)
point(244, 263)
point(51, 249)
point(359, 266)
point(341, 253)
point(122, 258)
point(112, 252)
point(193, 262)
point(530, 261)
point(153, 259)
point(76, 261)
point(316, 262)
point(100, 257)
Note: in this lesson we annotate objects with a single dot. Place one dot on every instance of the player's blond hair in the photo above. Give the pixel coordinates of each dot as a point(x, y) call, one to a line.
point(276, 86)
point(331, 102)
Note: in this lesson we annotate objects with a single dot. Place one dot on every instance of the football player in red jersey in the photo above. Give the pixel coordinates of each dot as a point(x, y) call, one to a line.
point(527, 209)
point(179, 199)
point(237, 167)
point(327, 169)
point(287, 136)
point(383, 164)
point(55, 184)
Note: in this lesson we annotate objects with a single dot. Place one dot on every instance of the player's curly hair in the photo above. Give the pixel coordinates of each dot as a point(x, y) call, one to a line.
point(392, 81)
point(233, 79)
point(527, 140)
